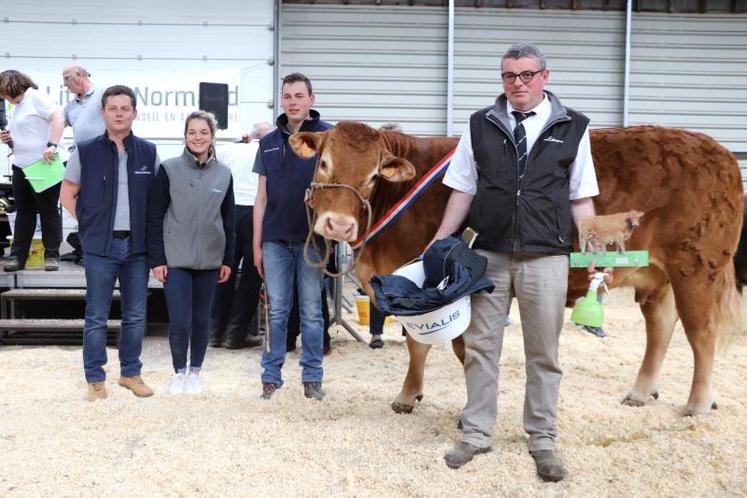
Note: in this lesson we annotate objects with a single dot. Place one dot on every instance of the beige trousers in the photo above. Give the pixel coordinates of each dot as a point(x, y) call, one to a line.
point(540, 284)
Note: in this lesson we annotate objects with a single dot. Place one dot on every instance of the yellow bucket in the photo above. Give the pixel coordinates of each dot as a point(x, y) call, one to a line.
point(36, 254)
point(363, 305)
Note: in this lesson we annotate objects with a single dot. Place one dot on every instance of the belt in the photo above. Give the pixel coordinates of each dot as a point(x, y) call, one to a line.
point(121, 234)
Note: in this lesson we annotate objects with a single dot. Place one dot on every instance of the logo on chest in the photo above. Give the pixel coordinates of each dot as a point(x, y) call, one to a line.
point(144, 170)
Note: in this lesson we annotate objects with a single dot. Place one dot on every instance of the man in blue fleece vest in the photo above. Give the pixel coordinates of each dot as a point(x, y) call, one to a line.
point(280, 229)
point(106, 188)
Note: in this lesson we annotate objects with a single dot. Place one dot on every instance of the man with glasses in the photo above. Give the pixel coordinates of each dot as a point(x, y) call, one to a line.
point(522, 174)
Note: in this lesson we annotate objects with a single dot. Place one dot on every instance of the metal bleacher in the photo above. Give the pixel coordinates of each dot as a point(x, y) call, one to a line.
point(66, 284)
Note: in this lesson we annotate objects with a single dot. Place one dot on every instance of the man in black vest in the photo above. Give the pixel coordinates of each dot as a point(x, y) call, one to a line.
point(522, 174)
point(105, 188)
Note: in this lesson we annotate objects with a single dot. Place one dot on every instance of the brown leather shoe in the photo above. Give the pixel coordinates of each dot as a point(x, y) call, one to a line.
point(96, 390)
point(463, 453)
point(313, 390)
point(136, 385)
point(268, 390)
point(549, 468)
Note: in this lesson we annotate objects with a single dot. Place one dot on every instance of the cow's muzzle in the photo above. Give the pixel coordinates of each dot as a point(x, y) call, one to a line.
point(336, 226)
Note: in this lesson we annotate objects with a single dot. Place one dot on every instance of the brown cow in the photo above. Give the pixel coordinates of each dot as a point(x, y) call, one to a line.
point(603, 230)
point(688, 186)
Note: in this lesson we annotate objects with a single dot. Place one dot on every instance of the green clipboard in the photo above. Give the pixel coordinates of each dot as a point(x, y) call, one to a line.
point(43, 175)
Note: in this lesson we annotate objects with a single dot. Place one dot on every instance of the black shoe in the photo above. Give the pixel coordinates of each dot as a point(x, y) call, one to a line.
point(249, 342)
point(597, 331)
point(51, 264)
point(14, 264)
point(313, 390)
point(376, 342)
point(549, 467)
point(463, 453)
point(233, 344)
point(72, 257)
point(268, 390)
point(252, 341)
point(216, 340)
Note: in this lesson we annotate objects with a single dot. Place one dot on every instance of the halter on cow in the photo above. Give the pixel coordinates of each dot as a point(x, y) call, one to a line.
point(311, 217)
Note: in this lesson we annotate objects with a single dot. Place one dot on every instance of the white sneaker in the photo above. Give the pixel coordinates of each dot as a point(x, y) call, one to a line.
point(176, 386)
point(192, 386)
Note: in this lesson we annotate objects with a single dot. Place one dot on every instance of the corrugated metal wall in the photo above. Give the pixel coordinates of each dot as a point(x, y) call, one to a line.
point(379, 64)
point(584, 50)
point(371, 64)
point(742, 159)
point(690, 71)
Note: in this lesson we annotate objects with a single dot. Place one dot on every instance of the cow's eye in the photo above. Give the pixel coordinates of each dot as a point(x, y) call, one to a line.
point(323, 165)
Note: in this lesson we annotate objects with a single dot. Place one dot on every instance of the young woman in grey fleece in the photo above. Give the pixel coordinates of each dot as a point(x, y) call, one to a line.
point(190, 243)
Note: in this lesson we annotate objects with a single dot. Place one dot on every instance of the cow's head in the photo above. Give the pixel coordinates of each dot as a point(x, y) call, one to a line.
point(351, 154)
point(634, 218)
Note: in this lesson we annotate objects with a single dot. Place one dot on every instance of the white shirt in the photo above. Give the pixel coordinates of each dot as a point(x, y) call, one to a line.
point(462, 172)
point(239, 157)
point(30, 126)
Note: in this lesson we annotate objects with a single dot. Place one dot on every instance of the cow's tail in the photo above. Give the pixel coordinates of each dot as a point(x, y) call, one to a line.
point(728, 323)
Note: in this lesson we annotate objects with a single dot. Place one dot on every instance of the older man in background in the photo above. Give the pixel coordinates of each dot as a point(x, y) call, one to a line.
point(234, 306)
point(83, 113)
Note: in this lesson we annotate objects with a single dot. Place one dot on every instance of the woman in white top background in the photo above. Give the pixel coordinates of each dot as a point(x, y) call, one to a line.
point(35, 128)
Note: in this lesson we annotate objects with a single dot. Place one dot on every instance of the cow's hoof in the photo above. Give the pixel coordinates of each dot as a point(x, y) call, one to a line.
point(691, 411)
point(404, 406)
point(628, 401)
point(633, 399)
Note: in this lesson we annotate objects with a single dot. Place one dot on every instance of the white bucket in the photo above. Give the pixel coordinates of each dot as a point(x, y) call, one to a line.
point(437, 326)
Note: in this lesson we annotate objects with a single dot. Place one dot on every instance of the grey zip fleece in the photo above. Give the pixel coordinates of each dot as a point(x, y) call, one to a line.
point(192, 204)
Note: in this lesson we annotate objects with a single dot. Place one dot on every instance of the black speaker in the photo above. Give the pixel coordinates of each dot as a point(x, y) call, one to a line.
point(214, 98)
point(3, 119)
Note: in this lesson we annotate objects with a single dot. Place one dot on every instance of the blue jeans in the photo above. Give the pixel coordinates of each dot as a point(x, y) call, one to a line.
point(284, 269)
point(189, 294)
point(102, 273)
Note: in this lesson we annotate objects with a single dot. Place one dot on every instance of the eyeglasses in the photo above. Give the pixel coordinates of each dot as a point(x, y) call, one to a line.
point(524, 76)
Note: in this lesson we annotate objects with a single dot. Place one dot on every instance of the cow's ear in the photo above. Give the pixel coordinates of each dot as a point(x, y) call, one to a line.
point(395, 169)
point(305, 143)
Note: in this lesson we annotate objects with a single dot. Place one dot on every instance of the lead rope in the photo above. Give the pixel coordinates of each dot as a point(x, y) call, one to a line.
point(266, 308)
point(311, 240)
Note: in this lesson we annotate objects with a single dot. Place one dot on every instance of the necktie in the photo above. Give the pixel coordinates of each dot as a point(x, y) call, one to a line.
point(520, 135)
